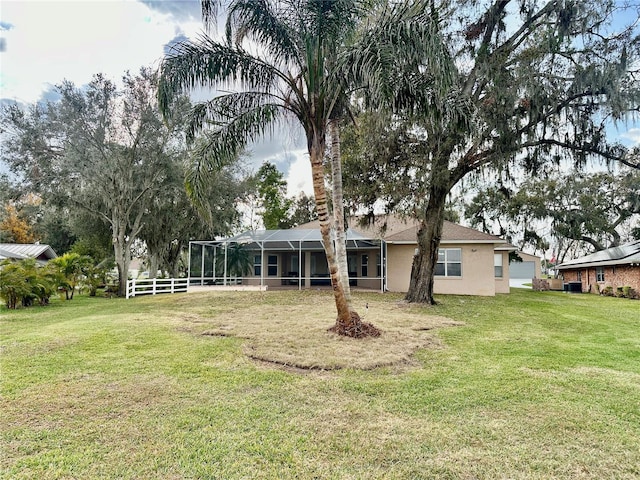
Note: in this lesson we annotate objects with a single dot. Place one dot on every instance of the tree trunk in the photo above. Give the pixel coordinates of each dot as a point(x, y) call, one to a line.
point(348, 322)
point(429, 235)
point(123, 257)
point(338, 210)
point(317, 171)
point(172, 260)
point(153, 265)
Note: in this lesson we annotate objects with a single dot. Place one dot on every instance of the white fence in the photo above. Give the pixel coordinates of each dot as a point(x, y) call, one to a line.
point(154, 286)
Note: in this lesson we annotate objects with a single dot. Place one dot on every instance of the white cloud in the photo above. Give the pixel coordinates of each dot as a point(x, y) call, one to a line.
point(55, 40)
point(632, 134)
point(299, 176)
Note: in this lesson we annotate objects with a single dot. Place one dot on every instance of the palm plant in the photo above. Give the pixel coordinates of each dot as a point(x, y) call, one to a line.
point(301, 63)
point(287, 77)
point(70, 270)
point(239, 261)
point(13, 283)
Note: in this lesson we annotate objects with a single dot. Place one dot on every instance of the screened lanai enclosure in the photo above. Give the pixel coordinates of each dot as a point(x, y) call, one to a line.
point(283, 259)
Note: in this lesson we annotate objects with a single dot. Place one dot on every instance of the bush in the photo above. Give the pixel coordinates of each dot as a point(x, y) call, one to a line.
point(629, 292)
point(24, 282)
point(608, 291)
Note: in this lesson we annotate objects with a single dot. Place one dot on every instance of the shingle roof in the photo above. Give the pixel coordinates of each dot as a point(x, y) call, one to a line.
point(395, 229)
point(626, 254)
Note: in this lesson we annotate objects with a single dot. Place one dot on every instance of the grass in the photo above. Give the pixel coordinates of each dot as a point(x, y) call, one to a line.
point(532, 385)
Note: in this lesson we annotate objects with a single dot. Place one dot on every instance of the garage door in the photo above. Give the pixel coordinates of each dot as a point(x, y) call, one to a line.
point(522, 270)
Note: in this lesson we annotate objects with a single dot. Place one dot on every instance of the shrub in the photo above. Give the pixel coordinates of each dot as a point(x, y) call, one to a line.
point(629, 292)
point(23, 282)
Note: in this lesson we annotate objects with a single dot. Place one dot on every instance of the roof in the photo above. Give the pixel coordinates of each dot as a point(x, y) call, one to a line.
point(390, 228)
point(527, 257)
point(20, 251)
point(291, 239)
point(395, 229)
point(626, 254)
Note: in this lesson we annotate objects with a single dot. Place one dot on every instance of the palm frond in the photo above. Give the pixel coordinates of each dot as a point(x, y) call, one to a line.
point(401, 56)
point(220, 111)
point(207, 63)
point(222, 145)
point(209, 10)
point(261, 22)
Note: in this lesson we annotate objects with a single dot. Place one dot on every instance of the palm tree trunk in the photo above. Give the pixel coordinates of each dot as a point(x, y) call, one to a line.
point(348, 322)
point(317, 171)
point(338, 209)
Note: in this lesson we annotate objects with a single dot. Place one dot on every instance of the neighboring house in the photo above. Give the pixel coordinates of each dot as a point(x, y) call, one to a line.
point(530, 267)
point(470, 262)
point(615, 267)
point(21, 251)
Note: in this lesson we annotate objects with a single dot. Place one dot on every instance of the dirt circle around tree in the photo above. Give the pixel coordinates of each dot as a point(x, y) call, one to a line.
point(303, 337)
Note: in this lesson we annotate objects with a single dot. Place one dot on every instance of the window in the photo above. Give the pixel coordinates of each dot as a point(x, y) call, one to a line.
point(257, 265)
point(497, 265)
point(365, 265)
point(579, 276)
point(599, 274)
point(378, 265)
point(449, 262)
point(272, 265)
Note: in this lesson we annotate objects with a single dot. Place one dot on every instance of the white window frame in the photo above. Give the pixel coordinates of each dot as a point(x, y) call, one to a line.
point(447, 262)
point(498, 265)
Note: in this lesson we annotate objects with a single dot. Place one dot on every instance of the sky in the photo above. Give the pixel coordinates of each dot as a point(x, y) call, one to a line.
point(46, 41)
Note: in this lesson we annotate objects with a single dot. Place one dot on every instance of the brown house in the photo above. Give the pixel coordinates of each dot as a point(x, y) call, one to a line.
point(615, 267)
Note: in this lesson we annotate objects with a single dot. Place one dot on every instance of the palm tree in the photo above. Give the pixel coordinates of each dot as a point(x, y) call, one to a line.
point(70, 268)
point(239, 261)
point(302, 69)
point(288, 77)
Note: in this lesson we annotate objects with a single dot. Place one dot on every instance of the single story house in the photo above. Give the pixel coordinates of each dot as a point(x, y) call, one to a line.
point(530, 267)
point(21, 251)
point(615, 267)
point(470, 262)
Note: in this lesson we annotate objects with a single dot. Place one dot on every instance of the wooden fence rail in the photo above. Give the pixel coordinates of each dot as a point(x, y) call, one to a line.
point(153, 286)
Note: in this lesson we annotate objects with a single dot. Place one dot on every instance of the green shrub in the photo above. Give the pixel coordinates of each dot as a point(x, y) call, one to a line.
point(24, 282)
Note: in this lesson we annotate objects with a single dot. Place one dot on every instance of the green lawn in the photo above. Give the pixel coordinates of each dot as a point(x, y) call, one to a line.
point(532, 385)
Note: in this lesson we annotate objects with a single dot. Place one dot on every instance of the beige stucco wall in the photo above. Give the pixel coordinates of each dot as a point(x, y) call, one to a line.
point(477, 271)
point(399, 259)
point(502, 284)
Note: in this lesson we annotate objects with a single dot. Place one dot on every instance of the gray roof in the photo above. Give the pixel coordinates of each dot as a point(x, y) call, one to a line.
point(19, 251)
point(626, 254)
point(397, 229)
point(290, 239)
